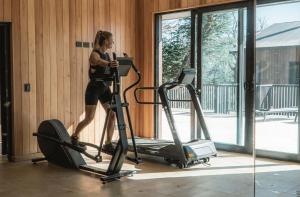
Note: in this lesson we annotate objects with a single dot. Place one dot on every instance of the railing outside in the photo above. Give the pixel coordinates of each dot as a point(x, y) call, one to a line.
point(222, 99)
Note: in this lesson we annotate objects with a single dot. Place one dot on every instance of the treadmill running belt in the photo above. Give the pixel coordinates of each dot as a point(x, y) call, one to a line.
point(148, 141)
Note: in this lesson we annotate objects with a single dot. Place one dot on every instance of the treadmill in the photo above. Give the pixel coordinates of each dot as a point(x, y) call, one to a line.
point(175, 152)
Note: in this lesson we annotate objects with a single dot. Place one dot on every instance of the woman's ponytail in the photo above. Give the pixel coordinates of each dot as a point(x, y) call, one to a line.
point(101, 37)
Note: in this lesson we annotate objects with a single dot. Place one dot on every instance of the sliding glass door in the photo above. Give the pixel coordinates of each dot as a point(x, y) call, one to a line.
point(174, 52)
point(220, 59)
point(213, 41)
point(277, 79)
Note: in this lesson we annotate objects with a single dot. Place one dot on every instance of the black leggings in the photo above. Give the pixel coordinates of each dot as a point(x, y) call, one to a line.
point(97, 90)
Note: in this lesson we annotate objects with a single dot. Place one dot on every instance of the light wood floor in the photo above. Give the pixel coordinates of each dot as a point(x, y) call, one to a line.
point(230, 175)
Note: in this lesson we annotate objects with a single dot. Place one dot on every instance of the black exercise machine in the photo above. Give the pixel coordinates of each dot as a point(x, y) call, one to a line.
point(176, 152)
point(55, 142)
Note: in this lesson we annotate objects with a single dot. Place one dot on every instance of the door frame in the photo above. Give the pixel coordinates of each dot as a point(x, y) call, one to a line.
point(6, 90)
point(250, 82)
point(249, 68)
point(250, 57)
point(250, 79)
point(295, 157)
point(157, 75)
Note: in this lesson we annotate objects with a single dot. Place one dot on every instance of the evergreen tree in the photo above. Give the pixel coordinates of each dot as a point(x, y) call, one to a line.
point(176, 46)
point(219, 47)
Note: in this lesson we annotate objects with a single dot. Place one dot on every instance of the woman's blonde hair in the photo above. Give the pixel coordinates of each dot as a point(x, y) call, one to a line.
point(101, 36)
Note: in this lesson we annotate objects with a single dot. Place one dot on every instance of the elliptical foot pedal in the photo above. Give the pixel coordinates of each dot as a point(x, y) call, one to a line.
point(108, 149)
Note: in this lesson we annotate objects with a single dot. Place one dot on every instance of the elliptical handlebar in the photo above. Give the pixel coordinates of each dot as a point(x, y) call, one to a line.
point(137, 160)
point(133, 84)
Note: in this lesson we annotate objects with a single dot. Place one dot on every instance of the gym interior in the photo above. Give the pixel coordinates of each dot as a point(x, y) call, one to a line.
point(205, 97)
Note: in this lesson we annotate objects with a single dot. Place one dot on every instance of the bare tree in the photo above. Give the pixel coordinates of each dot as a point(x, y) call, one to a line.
point(261, 24)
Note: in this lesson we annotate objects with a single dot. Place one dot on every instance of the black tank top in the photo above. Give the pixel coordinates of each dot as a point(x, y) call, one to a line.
point(100, 72)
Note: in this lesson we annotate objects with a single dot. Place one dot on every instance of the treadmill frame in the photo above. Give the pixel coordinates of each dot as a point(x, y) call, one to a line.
point(166, 106)
point(186, 82)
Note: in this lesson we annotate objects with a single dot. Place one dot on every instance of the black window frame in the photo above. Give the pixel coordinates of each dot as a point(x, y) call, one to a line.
point(249, 5)
point(250, 78)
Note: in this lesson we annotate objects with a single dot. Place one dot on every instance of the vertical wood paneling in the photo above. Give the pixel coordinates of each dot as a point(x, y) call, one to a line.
point(148, 70)
point(90, 34)
point(17, 80)
point(107, 14)
point(60, 60)
point(174, 4)
point(53, 63)
point(156, 4)
point(73, 96)
point(78, 81)
point(122, 29)
point(66, 63)
point(84, 63)
point(1, 10)
point(191, 3)
point(24, 75)
point(7, 10)
point(139, 58)
point(113, 19)
point(118, 34)
point(184, 3)
point(98, 10)
point(134, 109)
point(32, 75)
point(47, 55)
point(39, 60)
point(44, 55)
point(163, 5)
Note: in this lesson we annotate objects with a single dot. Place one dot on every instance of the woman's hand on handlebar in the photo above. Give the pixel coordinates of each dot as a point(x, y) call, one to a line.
point(114, 64)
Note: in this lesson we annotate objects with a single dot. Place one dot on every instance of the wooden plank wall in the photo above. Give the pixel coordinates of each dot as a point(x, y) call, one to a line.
point(146, 10)
point(44, 54)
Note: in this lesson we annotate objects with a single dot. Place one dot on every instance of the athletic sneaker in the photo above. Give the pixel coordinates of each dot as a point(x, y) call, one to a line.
point(75, 142)
point(108, 149)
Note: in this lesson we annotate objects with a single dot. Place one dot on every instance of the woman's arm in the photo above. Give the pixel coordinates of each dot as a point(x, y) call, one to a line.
point(96, 60)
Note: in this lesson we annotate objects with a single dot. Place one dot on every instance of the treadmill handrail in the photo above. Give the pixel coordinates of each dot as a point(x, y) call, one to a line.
point(169, 85)
point(138, 73)
point(166, 86)
point(145, 102)
point(184, 100)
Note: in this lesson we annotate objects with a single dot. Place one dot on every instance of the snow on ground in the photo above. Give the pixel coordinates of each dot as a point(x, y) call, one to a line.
point(276, 133)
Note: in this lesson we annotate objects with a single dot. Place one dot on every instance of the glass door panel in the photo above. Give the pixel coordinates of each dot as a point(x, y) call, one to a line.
point(175, 54)
point(277, 77)
point(222, 74)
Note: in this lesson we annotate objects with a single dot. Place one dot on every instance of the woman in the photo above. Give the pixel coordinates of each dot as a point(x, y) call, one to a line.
point(98, 88)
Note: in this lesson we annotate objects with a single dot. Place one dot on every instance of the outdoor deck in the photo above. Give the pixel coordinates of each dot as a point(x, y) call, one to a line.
point(277, 132)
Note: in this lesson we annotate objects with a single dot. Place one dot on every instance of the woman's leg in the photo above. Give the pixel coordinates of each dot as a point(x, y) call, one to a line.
point(110, 124)
point(89, 116)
